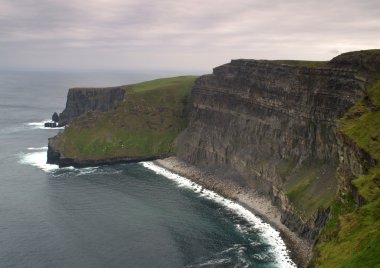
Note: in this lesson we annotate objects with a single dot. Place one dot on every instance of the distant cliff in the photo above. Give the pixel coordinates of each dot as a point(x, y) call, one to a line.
point(121, 124)
point(82, 100)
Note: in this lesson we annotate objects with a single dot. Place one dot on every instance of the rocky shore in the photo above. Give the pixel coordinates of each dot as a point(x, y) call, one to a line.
point(300, 250)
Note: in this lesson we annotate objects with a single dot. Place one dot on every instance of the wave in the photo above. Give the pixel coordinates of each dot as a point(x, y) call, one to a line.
point(41, 125)
point(38, 159)
point(38, 148)
point(269, 234)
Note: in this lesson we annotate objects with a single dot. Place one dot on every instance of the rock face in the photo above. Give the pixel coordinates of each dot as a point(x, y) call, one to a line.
point(55, 117)
point(263, 123)
point(82, 100)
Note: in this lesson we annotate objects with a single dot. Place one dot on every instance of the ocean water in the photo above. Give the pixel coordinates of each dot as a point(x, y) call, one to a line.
point(126, 215)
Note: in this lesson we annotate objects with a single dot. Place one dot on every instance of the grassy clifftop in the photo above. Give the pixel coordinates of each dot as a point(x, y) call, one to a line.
point(146, 124)
point(351, 238)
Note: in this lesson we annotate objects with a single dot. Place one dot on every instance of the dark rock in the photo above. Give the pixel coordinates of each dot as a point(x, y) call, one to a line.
point(83, 100)
point(50, 124)
point(55, 117)
point(53, 155)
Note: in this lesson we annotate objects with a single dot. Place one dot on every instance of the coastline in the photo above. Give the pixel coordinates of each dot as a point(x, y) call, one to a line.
point(299, 250)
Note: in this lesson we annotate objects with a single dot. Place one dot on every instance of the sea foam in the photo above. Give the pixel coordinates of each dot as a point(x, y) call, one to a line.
point(38, 148)
point(41, 125)
point(38, 159)
point(271, 236)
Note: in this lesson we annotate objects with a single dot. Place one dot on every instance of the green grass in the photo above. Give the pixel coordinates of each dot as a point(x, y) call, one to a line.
point(351, 238)
point(374, 93)
point(181, 83)
point(369, 184)
point(296, 192)
point(362, 123)
point(354, 239)
point(309, 187)
point(146, 124)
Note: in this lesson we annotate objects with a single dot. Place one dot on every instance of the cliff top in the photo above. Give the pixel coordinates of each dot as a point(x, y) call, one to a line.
point(95, 89)
point(366, 62)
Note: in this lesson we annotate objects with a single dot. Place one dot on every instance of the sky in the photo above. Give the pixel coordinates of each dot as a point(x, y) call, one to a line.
point(179, 35)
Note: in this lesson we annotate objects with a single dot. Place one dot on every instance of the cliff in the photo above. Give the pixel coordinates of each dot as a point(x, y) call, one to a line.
point(122, 124)
point(273, 128)
point(82, 100)
point(303, 135)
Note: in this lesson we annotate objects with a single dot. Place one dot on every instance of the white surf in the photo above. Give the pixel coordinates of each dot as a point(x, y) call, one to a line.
point(271, 235)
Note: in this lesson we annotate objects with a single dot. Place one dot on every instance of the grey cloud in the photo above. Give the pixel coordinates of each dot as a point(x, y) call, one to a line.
point(204, 32)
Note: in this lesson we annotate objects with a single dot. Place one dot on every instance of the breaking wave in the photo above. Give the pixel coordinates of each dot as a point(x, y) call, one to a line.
point(38, 159)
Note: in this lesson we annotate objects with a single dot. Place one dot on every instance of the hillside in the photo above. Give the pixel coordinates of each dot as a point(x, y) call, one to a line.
point(144, 125)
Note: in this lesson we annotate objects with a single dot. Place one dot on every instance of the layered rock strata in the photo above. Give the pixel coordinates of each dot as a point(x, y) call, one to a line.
point(82, 100)
point(262, 124)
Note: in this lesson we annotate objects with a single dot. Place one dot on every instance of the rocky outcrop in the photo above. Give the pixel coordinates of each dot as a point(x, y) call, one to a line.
point(82, 100)
point(262, 124)
point(55, 117)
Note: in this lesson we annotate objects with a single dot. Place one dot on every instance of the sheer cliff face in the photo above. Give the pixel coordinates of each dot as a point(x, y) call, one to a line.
point(261, 123)
point(82, 100)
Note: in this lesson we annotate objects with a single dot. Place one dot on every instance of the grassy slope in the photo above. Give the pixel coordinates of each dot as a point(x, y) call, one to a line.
point(351, 238)
point(146, 124)
point(310, 188)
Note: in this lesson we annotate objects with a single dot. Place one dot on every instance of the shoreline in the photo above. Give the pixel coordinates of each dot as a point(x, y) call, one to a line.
point(299, 250)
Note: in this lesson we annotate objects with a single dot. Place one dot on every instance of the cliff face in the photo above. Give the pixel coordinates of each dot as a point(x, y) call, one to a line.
point(272, 128)
point(82, 100)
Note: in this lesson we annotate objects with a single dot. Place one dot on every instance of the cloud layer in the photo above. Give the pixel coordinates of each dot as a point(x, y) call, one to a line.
point(168, 34)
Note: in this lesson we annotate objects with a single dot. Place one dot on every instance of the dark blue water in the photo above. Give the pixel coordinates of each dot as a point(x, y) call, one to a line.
point(113, 216)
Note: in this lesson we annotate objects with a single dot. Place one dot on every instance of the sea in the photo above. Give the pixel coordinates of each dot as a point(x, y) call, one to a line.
point(124, 215)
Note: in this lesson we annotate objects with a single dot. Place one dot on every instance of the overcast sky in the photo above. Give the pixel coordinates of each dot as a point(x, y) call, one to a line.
point(180, 35)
